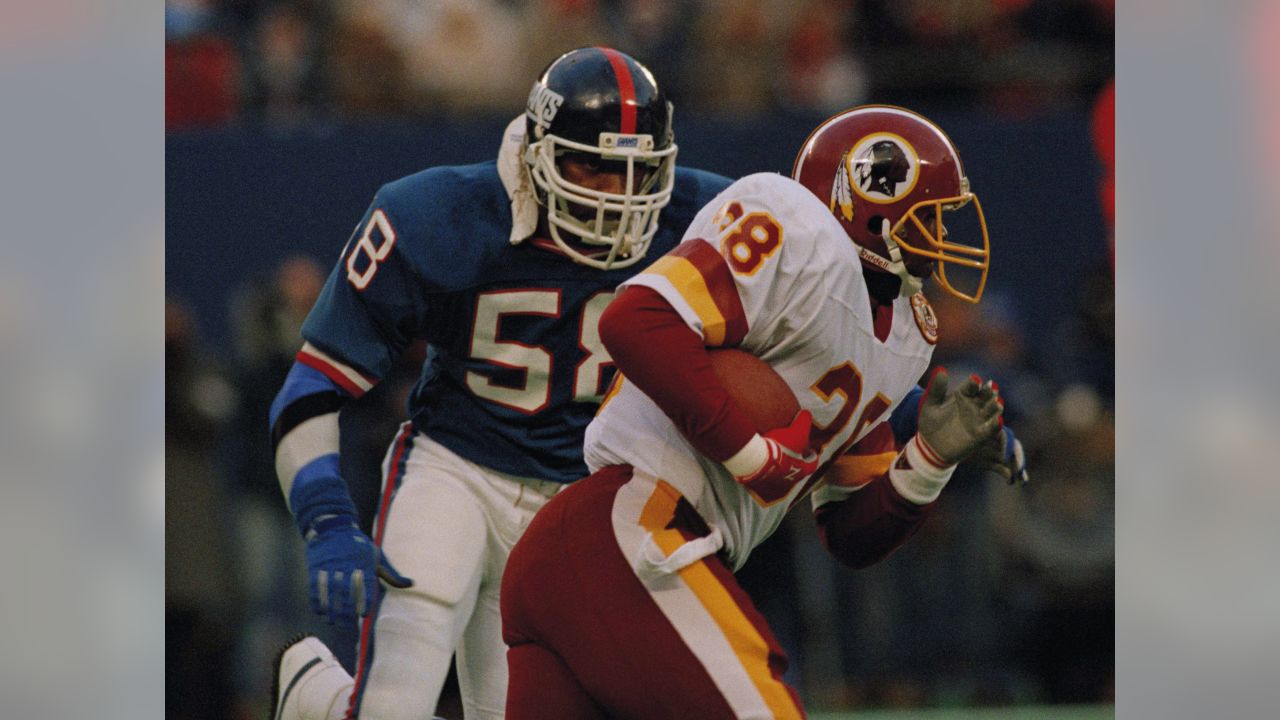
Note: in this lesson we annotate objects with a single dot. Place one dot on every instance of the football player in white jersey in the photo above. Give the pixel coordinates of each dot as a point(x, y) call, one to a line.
point(620, 599)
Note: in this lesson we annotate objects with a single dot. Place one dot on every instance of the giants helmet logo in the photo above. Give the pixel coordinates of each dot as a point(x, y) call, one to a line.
point(542, 105)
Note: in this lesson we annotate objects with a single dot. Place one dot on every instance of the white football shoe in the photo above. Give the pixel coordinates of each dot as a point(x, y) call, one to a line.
point(309, 683)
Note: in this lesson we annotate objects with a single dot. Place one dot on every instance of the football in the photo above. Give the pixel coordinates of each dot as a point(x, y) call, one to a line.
point(760, 391)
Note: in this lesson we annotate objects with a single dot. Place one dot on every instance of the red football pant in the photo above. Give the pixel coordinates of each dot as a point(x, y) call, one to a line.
point(587, 638)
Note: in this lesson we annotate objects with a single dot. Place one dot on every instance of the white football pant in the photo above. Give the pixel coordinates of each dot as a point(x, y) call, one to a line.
point(449, 525)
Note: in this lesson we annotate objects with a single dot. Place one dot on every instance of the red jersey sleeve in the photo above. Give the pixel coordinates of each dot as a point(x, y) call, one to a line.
point(654, 348)
point(867, 525)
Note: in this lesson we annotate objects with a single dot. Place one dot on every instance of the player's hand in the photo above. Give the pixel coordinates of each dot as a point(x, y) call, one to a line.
point(1003, 455)
point(952, 427)
point(342, 567)
point(788, 460)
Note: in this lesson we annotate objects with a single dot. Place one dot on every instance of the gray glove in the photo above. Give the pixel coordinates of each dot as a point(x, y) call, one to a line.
point(954, 426)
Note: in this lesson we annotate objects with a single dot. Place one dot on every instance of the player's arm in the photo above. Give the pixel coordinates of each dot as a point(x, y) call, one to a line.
point(707, 293)
point(655, 350)
point(862, 518)
point(343, 563)
point(304, 437)
point(880, 494)
point(357, 328)
point(654, 347)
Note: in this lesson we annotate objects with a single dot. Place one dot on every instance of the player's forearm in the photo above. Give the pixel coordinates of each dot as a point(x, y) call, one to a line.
point(881, 515)
point(304, 433)
point(654, 349)
point(870, 524)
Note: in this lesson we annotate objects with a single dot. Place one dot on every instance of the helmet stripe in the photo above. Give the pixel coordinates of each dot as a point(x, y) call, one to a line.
point(626, 89)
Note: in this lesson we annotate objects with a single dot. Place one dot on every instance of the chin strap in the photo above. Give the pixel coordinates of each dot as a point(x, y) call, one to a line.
point(910, 283)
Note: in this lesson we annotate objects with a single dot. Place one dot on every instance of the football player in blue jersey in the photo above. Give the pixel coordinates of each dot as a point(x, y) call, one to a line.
point(504, 268)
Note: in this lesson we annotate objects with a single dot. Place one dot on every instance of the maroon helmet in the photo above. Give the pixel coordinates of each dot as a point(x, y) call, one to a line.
point(888, 174)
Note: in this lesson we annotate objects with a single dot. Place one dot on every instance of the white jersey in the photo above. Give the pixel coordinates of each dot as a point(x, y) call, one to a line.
point(767, 268)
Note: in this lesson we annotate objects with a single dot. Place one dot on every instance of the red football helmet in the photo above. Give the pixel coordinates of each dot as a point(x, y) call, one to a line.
point(883, 169)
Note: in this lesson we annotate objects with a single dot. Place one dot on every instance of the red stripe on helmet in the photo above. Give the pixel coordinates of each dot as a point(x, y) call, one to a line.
point(626, 89)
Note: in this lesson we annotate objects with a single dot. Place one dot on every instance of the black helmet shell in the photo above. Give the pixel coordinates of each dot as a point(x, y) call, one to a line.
point(596, 90)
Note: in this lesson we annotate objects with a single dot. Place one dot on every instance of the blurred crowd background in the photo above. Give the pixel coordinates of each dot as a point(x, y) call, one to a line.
point(290, 61)
point(283, 118)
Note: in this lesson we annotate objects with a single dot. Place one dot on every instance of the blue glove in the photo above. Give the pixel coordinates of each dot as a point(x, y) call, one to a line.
point(904, 421)
point(1003, 456)
point(342, 567)
point(1015, 459)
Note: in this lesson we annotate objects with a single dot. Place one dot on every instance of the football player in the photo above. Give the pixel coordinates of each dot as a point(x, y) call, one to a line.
point(504, 268)
point(620, 599)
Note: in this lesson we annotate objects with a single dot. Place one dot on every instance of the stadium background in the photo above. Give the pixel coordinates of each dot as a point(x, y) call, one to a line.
point(284, 117)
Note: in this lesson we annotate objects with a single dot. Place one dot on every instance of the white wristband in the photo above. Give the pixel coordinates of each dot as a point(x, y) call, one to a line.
point(921, 482)
point(750, 458)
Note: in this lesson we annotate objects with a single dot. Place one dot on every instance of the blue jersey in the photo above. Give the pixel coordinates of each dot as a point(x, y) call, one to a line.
point(515, 369)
